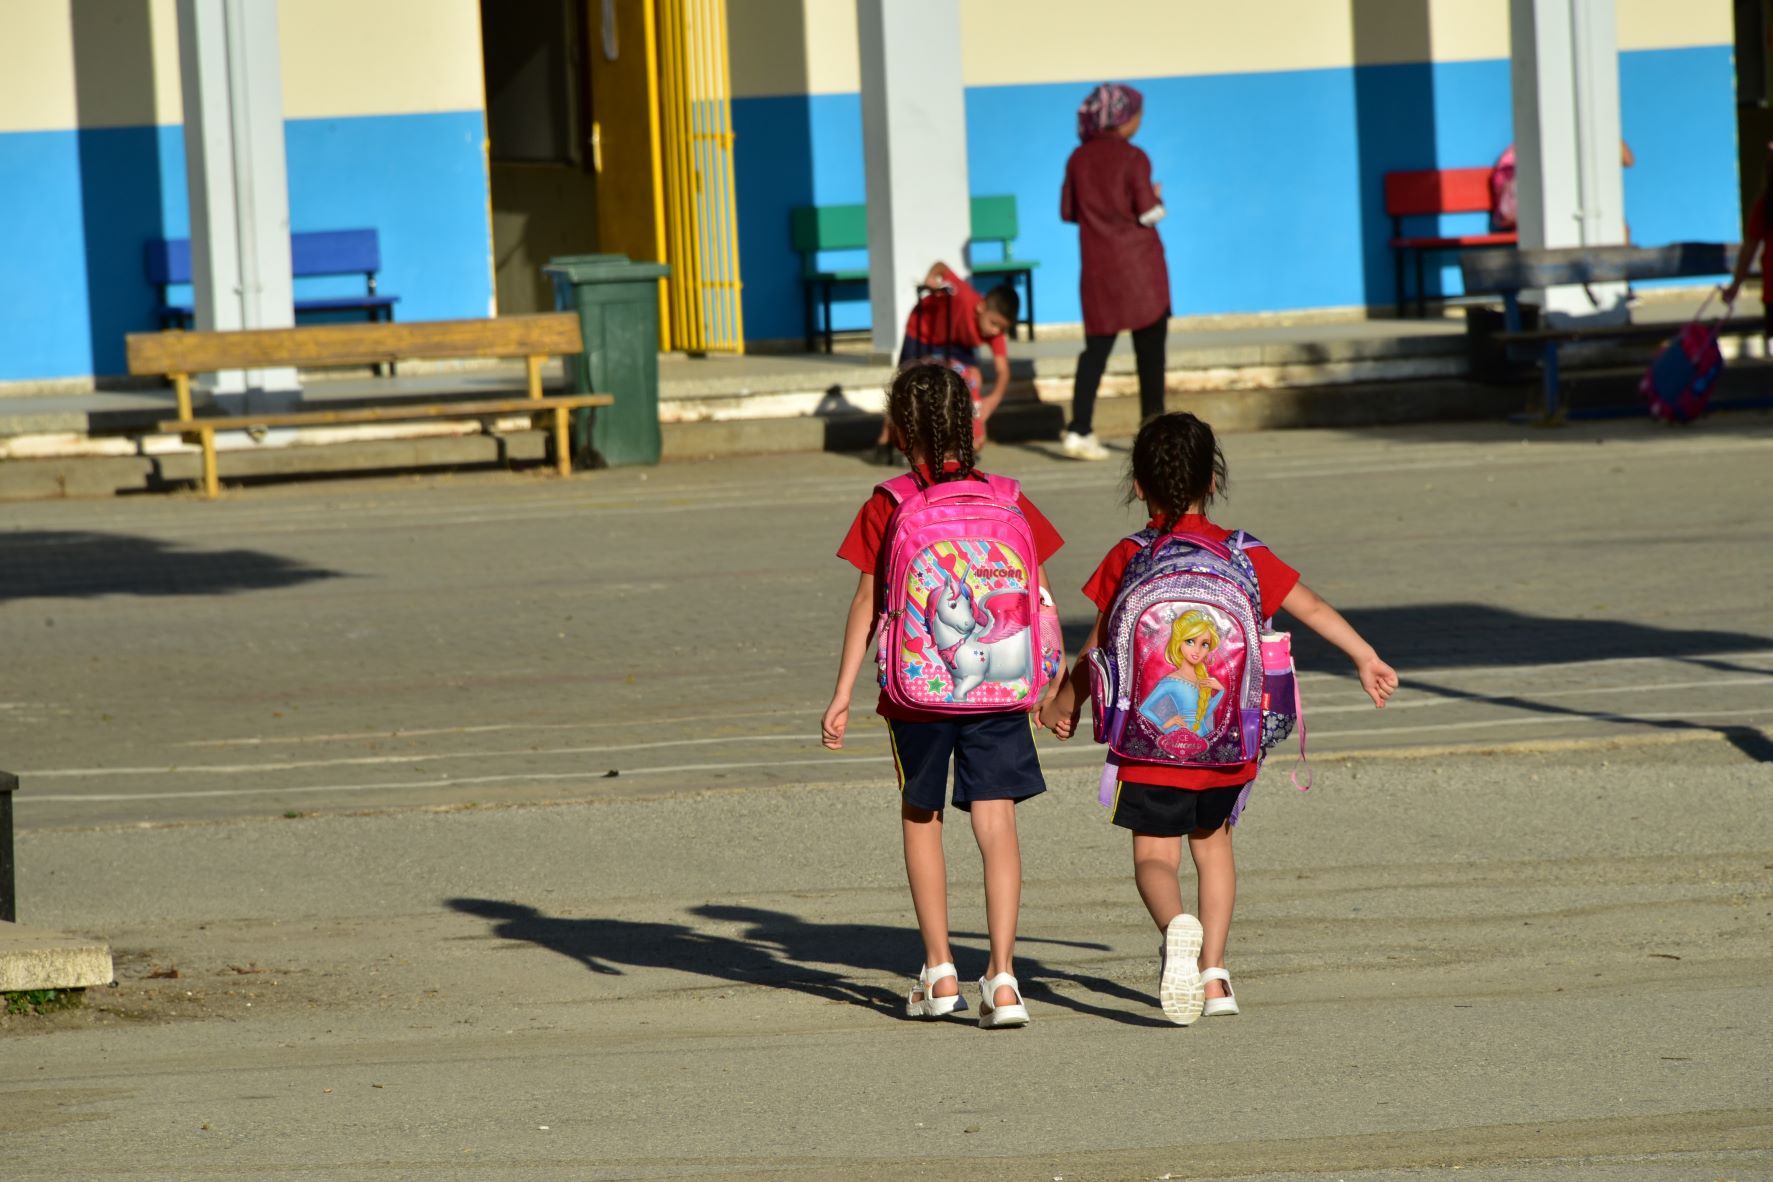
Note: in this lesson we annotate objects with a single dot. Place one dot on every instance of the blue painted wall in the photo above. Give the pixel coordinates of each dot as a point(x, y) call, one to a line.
point(1273, 181)
point(78, 205)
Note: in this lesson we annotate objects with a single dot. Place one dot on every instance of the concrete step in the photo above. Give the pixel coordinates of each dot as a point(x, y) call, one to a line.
point(35, 958)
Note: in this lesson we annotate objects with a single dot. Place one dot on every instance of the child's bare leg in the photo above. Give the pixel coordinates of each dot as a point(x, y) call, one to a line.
point(994, 827)
point(928, 875)
point(1156, 861)
point(1216, 873)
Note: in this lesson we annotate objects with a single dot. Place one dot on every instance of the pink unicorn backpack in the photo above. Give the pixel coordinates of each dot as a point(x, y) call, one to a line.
point(960, 632)
point(1187, 673)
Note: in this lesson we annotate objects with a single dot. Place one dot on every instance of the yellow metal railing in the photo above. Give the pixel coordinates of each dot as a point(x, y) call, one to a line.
point(701, 228)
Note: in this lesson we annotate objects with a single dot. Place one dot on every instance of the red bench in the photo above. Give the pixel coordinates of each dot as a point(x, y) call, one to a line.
point(1428, 193)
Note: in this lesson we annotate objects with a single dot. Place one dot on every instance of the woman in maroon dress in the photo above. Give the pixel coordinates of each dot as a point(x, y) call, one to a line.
point(1125, 284)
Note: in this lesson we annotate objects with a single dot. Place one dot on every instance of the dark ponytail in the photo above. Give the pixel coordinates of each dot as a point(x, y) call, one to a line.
point(932, 408)
point(1177, 464)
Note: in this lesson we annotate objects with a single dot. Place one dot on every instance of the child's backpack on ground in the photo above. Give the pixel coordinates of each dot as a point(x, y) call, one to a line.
point(1680, 381)
point(1187, 674)
point(960, 632)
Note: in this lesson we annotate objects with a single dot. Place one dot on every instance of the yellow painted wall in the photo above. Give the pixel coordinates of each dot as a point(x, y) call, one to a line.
point(112, 79)
point(380, 57)
point(115, 63)
point(785, 47)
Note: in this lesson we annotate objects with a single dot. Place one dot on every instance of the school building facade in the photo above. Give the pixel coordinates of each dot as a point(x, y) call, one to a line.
point(480, 137)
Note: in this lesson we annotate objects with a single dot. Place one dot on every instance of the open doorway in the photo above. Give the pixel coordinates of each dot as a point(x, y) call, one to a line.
point(573, 137)
point(544, 192)
point(1754, 95)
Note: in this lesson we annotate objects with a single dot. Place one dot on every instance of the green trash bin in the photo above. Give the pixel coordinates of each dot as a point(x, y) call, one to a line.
point(617, 300)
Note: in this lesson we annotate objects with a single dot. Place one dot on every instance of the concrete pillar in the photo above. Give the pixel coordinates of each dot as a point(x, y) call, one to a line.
point(914, 146)
point(233, 92)
point(1565, 57)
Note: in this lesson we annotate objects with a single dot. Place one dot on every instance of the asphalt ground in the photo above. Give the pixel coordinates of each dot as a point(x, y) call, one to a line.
point(649, 632)
point(1518, 930)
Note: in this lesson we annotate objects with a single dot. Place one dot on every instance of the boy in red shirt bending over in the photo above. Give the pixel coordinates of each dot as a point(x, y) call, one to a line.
point(949, 325)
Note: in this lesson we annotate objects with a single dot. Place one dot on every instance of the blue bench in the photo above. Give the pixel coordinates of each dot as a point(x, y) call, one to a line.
point(1510, 273)
point(312, 255)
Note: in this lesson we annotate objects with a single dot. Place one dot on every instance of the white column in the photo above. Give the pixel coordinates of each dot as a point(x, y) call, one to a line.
point(914, 142)
point(1565, 58)
point(233, 92)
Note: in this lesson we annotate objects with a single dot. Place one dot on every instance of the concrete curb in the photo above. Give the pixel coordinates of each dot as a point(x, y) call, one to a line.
point(32, 958)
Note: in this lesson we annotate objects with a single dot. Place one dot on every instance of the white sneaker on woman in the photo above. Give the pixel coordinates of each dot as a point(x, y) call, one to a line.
point(1082, 447)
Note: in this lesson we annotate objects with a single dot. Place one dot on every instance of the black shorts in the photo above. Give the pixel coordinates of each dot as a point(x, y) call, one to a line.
point(993, 757)
point(1173, 812)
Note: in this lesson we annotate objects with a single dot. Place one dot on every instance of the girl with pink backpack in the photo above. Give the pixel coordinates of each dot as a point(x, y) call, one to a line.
point(1190, 686)
point(952, 584)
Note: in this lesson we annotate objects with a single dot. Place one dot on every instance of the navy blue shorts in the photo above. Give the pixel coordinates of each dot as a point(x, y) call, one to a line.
point(993, 757)
point(915, 350)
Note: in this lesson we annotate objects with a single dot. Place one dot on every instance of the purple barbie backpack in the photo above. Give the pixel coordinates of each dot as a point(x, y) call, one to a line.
point(1187, 674)
point(961, 630)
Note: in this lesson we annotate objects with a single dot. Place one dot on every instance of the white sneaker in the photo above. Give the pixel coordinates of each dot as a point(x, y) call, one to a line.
point(1082, 447)
point(1179, 987)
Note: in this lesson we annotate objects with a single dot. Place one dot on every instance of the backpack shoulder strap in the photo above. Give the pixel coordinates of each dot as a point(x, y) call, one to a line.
point(900, 488)
point(1003, 487)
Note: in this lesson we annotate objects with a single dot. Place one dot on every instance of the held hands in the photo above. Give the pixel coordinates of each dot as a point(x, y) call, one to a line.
point(835, 722)
point(1377, 678)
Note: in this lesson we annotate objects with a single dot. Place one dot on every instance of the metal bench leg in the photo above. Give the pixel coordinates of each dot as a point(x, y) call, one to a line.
point(1397, 261)
point(1421, 286)
point(1030, 283)
point(8, 884)
point(1554, 410)
point(828, 347)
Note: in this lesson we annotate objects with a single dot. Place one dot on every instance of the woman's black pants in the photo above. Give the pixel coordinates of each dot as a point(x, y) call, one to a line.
point(1148, 355)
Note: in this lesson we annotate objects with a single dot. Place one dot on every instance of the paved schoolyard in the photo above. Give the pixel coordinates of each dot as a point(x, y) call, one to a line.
point(325, 646)
point(1519, 928)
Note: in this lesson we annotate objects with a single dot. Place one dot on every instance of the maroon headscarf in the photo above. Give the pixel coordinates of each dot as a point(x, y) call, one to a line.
point(1110, 106)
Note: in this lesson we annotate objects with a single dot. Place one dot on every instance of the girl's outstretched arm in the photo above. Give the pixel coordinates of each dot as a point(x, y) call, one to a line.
point(1311, 609)
point(858, 630)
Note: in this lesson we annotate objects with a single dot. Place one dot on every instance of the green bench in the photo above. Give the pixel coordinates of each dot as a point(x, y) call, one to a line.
point(818, 229)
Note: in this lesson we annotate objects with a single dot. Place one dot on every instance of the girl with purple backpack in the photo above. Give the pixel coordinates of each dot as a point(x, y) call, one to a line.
point(1186, 693)
point(952, 580)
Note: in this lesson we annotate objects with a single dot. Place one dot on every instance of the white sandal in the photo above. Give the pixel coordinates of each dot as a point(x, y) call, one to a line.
point(922, 1001)
point(1219, 1007)
point(993, 1016)
point(1179, 988)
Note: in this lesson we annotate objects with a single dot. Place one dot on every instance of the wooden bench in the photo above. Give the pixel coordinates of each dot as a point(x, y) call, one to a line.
point(821, 229)
point(1509, 274)
point(178, 355)
point(1430, 193)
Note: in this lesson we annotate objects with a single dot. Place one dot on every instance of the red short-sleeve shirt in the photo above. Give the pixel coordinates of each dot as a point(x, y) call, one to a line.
point(1276, 581)
point(862, 548)
point(952, 318)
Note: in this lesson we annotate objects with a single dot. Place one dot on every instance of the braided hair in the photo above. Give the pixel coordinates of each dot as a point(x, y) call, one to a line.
point(1177, 464)
point(931, 410)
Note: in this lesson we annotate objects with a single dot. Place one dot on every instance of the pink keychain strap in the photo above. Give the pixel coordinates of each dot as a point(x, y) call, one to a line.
point(1302, 765)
